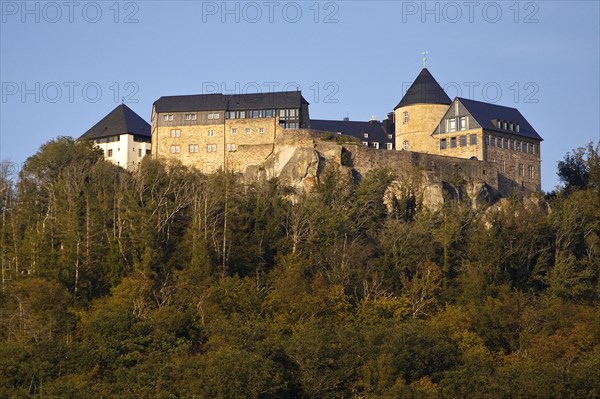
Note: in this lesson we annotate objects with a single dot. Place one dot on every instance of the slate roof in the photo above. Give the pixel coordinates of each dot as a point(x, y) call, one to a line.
point(230, 102)
point(120, 120)
point(375, 130)
point(424, 90)
point(485, 113)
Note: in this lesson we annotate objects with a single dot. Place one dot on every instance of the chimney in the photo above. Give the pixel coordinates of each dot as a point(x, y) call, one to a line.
point(390, 116)
point(373, 119)
point(346, 119)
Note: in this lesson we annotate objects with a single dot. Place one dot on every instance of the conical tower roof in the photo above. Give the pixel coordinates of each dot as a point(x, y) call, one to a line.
point(121, 120)
point(424, 90)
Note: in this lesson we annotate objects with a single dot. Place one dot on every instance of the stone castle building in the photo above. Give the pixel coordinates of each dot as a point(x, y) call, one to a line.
point(215, 131)
point(235, 132)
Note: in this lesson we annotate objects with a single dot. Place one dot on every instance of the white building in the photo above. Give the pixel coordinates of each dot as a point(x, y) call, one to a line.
point(123, 136)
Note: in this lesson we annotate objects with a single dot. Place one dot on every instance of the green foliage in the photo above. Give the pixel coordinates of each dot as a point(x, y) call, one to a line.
point(166, 283)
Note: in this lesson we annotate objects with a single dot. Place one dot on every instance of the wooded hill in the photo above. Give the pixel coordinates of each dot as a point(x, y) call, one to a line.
point(166, 283)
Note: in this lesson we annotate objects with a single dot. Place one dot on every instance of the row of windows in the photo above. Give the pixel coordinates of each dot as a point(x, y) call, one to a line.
point(463, 124)
point(521, 169)
point(195, 148)
point(191, 116)
point(375, 144)
point(262, 113)
point(460, 140)
point(110, 152)
point(515, 145)
point(176, 133)
point(508, 126)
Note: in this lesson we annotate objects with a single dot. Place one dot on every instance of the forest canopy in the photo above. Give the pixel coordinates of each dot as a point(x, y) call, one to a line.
point(168, 283)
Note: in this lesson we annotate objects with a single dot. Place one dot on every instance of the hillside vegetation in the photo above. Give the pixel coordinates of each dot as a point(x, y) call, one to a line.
point(167, 283)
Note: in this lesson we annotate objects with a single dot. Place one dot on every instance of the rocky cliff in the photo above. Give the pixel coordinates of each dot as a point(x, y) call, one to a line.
point(299, 157)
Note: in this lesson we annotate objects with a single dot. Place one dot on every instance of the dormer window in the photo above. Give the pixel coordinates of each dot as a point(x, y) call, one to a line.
point(190, 117)
point(499, 124)
point(366, 135)
point(463, 123)
point(452, 125)
point(517, 127)
point(504, 125)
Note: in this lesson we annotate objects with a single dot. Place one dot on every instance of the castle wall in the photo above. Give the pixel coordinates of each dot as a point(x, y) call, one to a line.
point(440, 168)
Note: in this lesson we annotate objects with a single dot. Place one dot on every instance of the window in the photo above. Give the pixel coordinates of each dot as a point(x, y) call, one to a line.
point(211, 148)
point(261, 129)
point(175, 149)
point(167, 117)
point(365, 143)
point(375, 144)
point(405, 117)
point(511, 126)
point(505, 142)
point(452, 142)
point(211, 133)
point(405, 145)
point(213, 115)
point(518, 146)
point(493, 143)
point(388, 146)
point(248, 130)
point(473, 139)
point(175, 133)
point(521, 169)
point(148, 152)
point(242, 114)
point(110, 153)
point(517, 127)
point(452, 125)
point(463, 141)
point(530, 171)
point(193, 148)
point(390, 137)
point(292, 112)
point(139, 152)
point(499, 124)
point(366, 135)
point(442, 144)
point(487, 140)
point(504, 125)
point(190, 117)
point(234, 130)
point(230, 147)
point(530, 148)
point(512, 144)
point(463, 123)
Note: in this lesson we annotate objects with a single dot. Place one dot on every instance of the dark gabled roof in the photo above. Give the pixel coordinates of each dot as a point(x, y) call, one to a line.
point(375, 129)
point(486, 113)
point(424, 90)
point(120, 120)
point(229, 102)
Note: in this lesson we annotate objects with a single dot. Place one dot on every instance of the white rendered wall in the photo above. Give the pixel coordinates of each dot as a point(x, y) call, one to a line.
point(126, 152)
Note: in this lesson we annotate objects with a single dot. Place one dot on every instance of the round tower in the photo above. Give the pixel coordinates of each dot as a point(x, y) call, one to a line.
point(418, 114)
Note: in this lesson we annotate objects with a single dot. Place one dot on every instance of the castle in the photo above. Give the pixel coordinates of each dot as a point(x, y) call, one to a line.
point(234, 132)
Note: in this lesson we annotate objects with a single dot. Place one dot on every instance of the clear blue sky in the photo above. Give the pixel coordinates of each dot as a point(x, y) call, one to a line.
point(64, 65)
